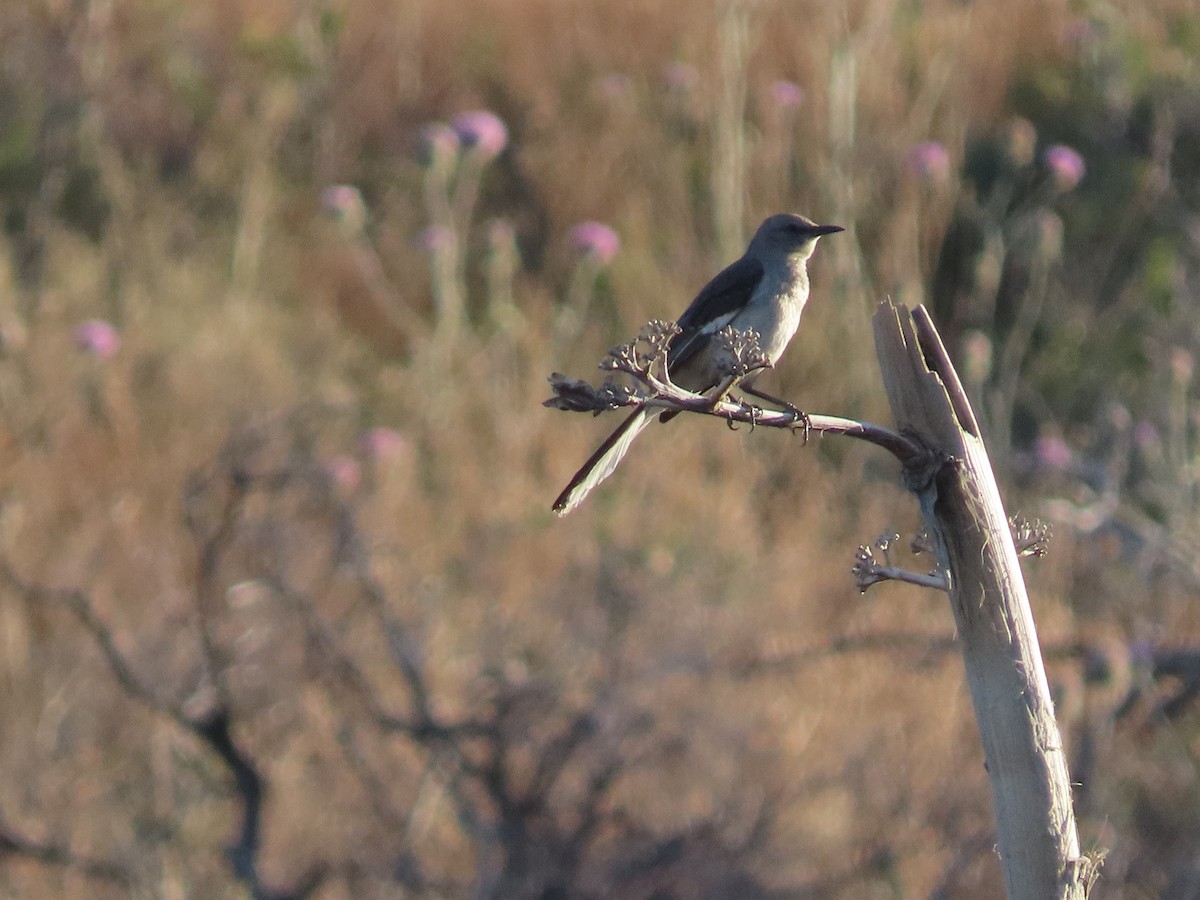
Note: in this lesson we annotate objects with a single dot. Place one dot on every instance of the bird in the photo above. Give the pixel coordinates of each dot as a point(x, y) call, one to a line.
point(764, 291)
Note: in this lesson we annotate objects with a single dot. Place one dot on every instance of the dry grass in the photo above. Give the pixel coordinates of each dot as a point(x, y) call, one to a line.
point(695, 604)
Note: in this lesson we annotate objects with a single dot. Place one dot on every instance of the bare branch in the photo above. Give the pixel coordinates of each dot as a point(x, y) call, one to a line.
point(574, 395)
point(1031, 536)
point(206, 715)
point(644, 360)
point(80, 605)
point(868, 570)
point(927, 646)
point(922, 542)
point(49, 853)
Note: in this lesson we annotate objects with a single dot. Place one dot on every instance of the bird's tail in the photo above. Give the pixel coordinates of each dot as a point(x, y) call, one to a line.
point(604, 461)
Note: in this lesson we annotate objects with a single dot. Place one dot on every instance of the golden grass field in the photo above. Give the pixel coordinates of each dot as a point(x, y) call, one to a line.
point(303, 502)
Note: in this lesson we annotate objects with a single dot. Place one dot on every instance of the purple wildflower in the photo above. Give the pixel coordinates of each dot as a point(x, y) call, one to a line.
point(930, 161)
point(1141, 653)
point(1053, 452)
point(437, 144)
point(500, 233)
point(680, 76)
point(1119, 417)
point(344, 471)
point(435, 239)
point(98, 338)
point(596, 240)
point(615, 86)
point(481, 131)
point(786, 94)
point(1081, 35)
point(344, 203)
point(382, 444)
point(337, 198)
point(1066, 166)
point(1146, 435)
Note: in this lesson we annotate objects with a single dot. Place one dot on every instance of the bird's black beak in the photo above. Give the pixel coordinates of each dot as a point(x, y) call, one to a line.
point(827, 229)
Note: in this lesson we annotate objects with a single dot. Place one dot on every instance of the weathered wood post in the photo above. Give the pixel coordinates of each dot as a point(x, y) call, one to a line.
point(964, 516)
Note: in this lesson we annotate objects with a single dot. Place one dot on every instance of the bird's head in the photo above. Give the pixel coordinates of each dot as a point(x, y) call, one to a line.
point(789, 234)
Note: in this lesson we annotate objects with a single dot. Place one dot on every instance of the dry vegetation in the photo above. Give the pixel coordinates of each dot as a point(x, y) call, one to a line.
point(215, 578)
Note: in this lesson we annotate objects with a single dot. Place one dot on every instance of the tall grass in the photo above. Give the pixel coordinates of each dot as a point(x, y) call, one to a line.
point(688, 647)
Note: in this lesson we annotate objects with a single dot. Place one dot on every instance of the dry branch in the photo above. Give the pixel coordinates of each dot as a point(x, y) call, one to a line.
point(962, 512)
point(644, 362)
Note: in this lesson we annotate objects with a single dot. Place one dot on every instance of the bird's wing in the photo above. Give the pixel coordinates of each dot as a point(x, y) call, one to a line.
point(715, 306)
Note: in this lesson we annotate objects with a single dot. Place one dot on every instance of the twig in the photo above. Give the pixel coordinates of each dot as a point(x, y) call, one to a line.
point(644, 361)
point(212, 726)
point(868, 570)
point(1031, 536)
point(51, 854)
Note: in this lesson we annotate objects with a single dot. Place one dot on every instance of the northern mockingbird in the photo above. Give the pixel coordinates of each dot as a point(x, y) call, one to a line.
point(764, 291)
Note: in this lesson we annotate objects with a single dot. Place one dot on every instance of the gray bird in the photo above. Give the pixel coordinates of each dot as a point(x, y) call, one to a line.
point(764, 291)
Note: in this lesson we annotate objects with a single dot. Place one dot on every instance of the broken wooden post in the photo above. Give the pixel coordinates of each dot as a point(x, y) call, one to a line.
point(963, 514)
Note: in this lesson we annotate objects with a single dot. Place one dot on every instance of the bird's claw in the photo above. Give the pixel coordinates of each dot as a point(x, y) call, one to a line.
point(802, 417)
point(755, 412)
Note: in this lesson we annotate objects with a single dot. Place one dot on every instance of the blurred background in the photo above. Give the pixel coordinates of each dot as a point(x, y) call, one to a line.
point(283, 608)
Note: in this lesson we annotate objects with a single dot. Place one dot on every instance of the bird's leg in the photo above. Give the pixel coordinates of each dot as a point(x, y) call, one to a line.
point(798, 414)
point(719, 392)
point(795, 411)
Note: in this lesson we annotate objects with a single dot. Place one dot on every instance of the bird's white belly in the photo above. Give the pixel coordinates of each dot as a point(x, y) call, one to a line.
point(776, 322)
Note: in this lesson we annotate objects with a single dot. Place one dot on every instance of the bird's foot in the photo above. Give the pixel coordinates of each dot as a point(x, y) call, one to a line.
point(755, 413)
point(801, 419)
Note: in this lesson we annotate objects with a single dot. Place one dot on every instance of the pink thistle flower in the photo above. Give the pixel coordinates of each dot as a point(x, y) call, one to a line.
point(1119, 417)
point(98, 338)
point(435, 239)
point(1146, 435)
point(930, 161)
point(481, 131)
point(381, 444)
point(1053, 452)
point(500, 233)
point(680, 76)
point(596, 240)
point(341, 198)
point(1066, 166)
point(344, 204)
point(786, 94)
point(615, 86)
point(1081, 35)
point(344, 471)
